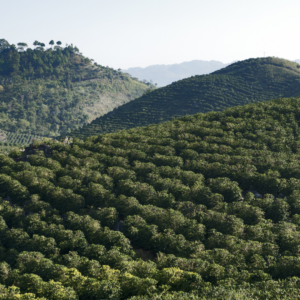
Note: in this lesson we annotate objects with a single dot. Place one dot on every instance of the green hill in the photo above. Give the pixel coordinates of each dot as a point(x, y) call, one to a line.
point(48, 92)
point(202, 207)
point(244, 82)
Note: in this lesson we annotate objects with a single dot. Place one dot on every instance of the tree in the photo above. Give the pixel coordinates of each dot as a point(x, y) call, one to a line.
point(21, 46)
point(4, 44)
point(108, 216)
point(15, 153)
point(51, 43)
point(65, 200)
point(279, 210)
point(58, 43)
point(180, 280)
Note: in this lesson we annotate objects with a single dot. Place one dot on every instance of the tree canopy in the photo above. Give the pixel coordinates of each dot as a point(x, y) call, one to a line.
point(249, 81)
point(57, 89)
point(201, 207)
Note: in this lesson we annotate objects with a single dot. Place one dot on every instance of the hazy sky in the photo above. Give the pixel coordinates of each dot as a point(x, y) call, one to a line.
point(138, 33)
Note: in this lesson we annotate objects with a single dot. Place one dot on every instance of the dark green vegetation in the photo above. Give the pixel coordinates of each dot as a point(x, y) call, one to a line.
point(249, 81)
point(10, 140)
point(201, 207)
point(51, 91)
point(17, 138)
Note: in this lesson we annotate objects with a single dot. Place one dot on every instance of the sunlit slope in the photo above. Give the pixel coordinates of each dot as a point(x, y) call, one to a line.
point(244, 82)
point(201, 207)
point(51, 91)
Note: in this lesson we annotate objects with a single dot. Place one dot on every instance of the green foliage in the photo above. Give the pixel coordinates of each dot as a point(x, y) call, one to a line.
point(10, 141)
point(201, 207)
point(249, 81)
point(48, 92)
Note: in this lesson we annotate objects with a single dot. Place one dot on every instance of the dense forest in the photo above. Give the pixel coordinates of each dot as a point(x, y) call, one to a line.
point(201, 207)
point(249, 81)
point(49, 91)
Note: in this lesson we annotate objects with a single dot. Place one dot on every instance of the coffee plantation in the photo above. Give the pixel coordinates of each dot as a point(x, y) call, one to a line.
point(202, 207)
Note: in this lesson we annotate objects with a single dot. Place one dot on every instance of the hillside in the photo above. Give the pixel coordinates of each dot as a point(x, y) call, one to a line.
point(248, 81)
point(164, 75)
point(51, 91)
point(11, 140)
point(201, 207)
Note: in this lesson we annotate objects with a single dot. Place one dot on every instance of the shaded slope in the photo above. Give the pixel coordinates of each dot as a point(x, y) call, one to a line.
point(51, 91)
point(249, 81)
point(212, 198)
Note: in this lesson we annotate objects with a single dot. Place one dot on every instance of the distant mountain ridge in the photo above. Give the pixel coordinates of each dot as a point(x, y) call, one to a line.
point(243, 82)
point(166, 74)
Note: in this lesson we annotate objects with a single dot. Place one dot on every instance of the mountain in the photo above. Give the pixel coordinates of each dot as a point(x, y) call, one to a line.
point(51, 91)
point(202, 207)
point(166, 74)
point(243, 82)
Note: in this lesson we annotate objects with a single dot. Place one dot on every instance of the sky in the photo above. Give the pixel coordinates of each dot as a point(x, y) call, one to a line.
point(134, 33)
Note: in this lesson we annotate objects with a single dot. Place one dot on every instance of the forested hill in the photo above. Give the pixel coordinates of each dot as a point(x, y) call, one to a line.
point(202, 207)
point(51, 90)
point(248, 81)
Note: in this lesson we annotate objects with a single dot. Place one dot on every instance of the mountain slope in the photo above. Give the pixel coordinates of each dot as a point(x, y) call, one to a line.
point(248, 81)
point(51, 91)
point(166, 74)
point(202, 207)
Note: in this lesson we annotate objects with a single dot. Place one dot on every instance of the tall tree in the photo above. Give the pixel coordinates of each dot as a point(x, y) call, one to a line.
point(4, 44)
point(21, 46)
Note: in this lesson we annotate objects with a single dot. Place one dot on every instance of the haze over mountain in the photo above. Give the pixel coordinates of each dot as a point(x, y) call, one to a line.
point(243, 82)
point(166, 74)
